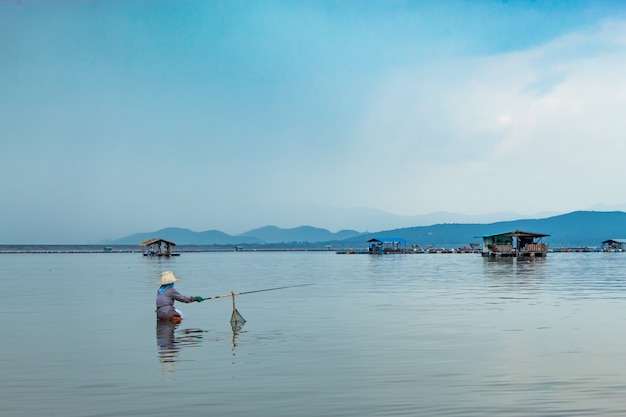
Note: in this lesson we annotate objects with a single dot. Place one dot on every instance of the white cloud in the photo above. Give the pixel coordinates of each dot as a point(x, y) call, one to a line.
point(522, 119)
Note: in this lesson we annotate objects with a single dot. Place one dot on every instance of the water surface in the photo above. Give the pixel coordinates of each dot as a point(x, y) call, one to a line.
point(399, 335)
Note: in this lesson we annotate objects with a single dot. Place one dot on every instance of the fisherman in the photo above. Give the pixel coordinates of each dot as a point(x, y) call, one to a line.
point(166, 296)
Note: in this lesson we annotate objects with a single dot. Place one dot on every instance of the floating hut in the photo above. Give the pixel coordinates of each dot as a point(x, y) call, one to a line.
point(386, 245)
point(515, 243)
point(614, 245)
point(158, 247)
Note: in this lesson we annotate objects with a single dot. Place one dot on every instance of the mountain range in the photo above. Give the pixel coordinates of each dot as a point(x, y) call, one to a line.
point(579, 228)
point(260, 236)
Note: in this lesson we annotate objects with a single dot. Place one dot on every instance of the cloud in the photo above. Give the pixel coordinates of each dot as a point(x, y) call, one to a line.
point(519, 119)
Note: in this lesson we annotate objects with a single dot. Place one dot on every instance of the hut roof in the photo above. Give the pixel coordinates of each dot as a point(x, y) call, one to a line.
point(153, 241)
point(516, 233)
point(388, 240)
point(615, 241)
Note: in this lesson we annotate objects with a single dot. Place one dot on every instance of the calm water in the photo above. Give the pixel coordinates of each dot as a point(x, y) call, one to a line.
point(428, 335)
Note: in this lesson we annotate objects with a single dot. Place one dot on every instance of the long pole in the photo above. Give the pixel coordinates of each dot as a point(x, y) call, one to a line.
point(233, 294)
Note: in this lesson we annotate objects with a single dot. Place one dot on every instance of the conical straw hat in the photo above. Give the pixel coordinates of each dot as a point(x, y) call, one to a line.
point(168, 277)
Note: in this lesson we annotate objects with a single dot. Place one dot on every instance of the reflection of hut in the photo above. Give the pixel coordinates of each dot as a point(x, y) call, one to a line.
point(158, 247)
point(516, 243)
point(614, 245)
point(387, 245)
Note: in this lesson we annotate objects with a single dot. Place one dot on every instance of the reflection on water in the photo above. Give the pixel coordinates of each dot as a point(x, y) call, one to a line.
point(236, 331)
point(512, 275)
point(171, 340)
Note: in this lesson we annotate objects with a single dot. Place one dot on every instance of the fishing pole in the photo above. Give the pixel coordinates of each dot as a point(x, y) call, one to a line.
point(232, 294)
point(236, 319)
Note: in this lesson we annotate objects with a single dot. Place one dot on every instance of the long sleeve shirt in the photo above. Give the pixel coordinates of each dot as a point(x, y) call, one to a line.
point(165, 303)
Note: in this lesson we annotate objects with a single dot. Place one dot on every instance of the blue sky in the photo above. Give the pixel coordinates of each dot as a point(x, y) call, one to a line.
point(131, 116)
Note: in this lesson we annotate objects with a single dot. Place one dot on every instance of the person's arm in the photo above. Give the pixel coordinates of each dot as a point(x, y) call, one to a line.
point(184, 298)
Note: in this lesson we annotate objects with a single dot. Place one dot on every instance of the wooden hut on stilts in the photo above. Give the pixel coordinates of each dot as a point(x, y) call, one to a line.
point(158, 247)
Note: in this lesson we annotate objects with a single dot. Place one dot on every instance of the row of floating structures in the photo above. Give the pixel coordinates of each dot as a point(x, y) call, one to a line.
point(516, 243)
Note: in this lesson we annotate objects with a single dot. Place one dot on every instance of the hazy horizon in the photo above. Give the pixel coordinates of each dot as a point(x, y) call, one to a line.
point(384, 221)
point(128, 117)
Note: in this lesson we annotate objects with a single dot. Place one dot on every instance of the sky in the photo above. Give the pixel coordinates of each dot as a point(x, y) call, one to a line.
point(121, 117)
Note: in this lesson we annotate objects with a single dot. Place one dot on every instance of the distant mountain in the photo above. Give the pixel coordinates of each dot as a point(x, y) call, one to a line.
point(273, 234)
point(187, 237)
point(372, 220)
point(585, 227)
point(263, 235)
point(579, 228)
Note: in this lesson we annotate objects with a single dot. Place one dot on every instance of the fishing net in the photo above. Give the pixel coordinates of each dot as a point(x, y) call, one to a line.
point(236, 319)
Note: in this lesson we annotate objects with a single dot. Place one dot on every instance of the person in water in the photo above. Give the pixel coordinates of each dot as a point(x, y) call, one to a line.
point(166, 296)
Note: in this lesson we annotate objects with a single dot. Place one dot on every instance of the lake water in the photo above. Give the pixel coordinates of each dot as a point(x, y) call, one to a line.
point(398, 335)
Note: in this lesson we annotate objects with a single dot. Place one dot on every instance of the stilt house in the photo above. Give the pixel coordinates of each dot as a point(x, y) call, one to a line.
point(158, 247)
point(515, 243)
point(387, 245)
